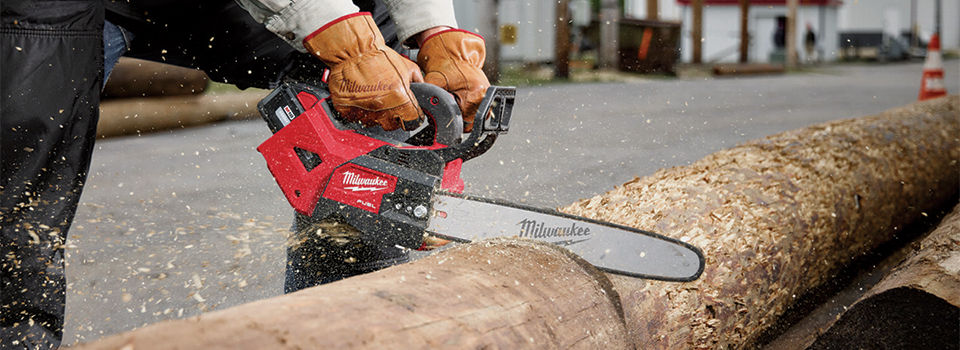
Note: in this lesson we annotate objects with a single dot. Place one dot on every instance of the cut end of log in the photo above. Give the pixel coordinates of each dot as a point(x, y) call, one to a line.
point(899, 318)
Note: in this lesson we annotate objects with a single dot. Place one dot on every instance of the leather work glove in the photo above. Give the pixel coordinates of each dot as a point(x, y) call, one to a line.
point(369, 82)
point(453, 59)
point(431, 243)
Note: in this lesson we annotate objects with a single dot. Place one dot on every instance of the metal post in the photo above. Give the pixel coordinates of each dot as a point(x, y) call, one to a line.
point(609, 33)
point(914, 41)
point(791, 33)
point(744, 33)
point(822, 33)
point(937, 20)
point(696, 33)
point(561, 67)
point(653, 9)
point(491, 33)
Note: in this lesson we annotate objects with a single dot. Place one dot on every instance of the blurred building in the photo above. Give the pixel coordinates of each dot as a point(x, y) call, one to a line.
point(890, 28)
point(767, 27)
point(841, 28)
point(881, 29)
point(526, 27)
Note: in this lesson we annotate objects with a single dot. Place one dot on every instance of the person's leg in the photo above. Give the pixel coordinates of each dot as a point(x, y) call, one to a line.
point(327, 251)
point(115, 42)
point(52, 54)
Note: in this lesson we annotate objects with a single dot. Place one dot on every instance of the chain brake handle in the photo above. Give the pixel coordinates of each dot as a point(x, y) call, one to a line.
point(493, 117)
point(445, 126)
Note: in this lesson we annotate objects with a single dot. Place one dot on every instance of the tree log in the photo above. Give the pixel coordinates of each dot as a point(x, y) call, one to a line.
point(775, 217)
point(916, 306)
point(747, 68)
point(132, 77)
point(149, 114)
point(778, 216)
point(481, 296)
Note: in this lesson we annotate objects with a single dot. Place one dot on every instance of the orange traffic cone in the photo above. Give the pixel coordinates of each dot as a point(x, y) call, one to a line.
point(932, 85)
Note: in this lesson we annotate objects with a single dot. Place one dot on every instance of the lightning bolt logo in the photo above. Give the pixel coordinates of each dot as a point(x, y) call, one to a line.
point(364, 189)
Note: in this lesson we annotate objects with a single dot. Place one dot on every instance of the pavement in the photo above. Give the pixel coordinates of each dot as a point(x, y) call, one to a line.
point(176, 223)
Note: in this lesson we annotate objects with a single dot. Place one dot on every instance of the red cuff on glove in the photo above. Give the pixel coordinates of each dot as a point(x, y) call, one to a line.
point(454, 30)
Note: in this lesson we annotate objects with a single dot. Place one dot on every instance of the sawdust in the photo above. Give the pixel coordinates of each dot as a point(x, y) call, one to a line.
point(333, 231)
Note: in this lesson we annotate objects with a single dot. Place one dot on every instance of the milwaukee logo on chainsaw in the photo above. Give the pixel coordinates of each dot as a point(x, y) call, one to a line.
point(360, 183)
point(539, 230)
point(359, 187)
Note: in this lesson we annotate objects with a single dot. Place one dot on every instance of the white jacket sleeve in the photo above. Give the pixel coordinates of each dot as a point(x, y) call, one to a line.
point(293, 20)
point(414, 16)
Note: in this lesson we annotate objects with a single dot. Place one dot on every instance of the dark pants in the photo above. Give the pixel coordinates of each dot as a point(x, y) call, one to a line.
point(52, 70)
point(52, 58)
point(326, 251)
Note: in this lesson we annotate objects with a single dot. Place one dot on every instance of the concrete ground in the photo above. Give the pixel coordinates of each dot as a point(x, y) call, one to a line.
point(181, 222)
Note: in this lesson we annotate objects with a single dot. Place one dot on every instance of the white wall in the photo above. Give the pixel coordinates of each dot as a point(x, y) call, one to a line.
point(535, 26)
point(869, 16)
point(669, 10)
point(534, 21)
point(950, 21)
point(824, 27)
point(721, 32)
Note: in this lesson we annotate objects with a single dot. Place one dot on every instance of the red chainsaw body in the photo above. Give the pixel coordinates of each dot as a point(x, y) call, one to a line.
point(353, 185)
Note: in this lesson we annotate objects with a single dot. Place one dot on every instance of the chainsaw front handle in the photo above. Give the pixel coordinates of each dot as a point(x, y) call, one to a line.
point(443, 115)
point(494, 110)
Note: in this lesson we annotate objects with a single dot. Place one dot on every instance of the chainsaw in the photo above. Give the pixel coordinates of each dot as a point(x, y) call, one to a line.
point(398, 187)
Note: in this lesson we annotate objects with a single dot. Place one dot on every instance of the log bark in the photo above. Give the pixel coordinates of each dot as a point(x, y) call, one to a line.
point(916, 306)
point(133, 77)
point(777, 217)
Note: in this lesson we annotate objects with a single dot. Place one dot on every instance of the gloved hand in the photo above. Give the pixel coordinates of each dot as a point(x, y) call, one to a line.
point(369, 82)
point(431, 243)
point(453, 59)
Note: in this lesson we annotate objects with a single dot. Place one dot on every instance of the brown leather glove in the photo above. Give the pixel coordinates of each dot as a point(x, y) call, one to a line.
point(453, 59)
point(369, 82)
